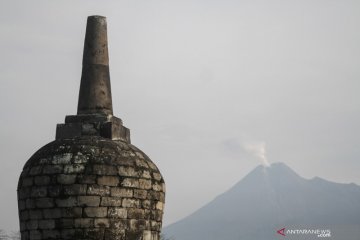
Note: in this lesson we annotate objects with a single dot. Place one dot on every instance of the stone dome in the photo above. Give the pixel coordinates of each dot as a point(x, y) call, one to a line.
point(90, 188)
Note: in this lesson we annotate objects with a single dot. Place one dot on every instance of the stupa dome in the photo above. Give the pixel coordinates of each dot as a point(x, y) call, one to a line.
point(91, 182)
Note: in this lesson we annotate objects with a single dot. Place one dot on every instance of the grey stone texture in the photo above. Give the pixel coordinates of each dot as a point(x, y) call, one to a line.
point(116, 195)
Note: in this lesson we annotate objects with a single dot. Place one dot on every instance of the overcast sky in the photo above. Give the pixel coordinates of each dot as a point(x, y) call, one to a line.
point(210, 89)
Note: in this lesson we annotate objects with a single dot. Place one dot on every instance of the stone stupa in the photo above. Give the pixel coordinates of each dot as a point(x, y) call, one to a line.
point(91, 182)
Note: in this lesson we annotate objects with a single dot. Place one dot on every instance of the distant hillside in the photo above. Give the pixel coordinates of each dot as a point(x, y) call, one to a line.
point(271, 198)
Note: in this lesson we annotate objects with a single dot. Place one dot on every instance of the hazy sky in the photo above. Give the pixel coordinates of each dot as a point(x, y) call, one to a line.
point(209, 89)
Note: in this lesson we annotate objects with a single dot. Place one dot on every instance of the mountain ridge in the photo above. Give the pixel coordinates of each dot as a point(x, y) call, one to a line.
point(266, 199)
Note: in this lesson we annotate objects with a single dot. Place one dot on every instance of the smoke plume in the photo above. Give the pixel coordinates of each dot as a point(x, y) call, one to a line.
point(258, 150)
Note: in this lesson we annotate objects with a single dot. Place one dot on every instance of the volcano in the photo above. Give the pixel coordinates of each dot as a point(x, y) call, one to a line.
point(269, 199)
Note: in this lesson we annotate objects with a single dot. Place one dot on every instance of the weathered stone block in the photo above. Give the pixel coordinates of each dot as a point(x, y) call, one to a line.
point(32, 224)
point(52, 213)
point(130, 203)
point(24, 215)
point(162, 196)
point(136, 213)
point(24, 192)
point(152, 166)
point(71, 212)
point(89, 201)
point(62, 159)
point(66, 178)
point(42, 180)
point(35, 235)
point(75, 189)
point(141, 163)
point(23, 226)
point(125, 161)
point(141, 194)
point(116, 212)
point(45, 202)
point(21, 204)
point(111, 201)
point(108, 180)
point(146, 204)
point(51, 234)
point(65, 223)
point(35, 170)
point(88, 179)
point(38, 192)
point(26, 182)
point(155, 226)
point(157, 187)
point(134, 234)
point(145, 184)
point(154, 195)
point(105, 170)
point(35, 214)
point(67, 233)
point(98, 190)
point(74, 168)
point(115, 234)
point(155, 236)
point(102, 222)
point(156, 215)
point(68, 130)
point(160, 206)
point(146, 174)
point(25, 235)
point(114, 130)
point(30, 203)
point(95, 211)
point(128, 171)
point(67, 202)
point(147, 213)
point(80, 158)
point(130, 182)
point(139, 154)
point(54, 191)
point(86, 118)
point(147, 235)
point(121, 192)
point(157, 176)
point(84, 222)
point(138, 224)
point(94, 233)
point(117, 223)
point(46, 224)
point(125, 154)
point(52, 169)
point(88, 129)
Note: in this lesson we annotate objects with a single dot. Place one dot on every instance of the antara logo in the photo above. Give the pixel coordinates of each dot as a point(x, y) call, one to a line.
point(281, 231)
point(316, 232)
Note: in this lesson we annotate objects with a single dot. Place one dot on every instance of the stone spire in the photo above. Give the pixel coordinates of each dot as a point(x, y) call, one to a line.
point(95, 90)
point(95, 113)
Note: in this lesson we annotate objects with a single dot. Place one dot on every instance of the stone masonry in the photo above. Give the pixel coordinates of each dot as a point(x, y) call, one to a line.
point(91, 182)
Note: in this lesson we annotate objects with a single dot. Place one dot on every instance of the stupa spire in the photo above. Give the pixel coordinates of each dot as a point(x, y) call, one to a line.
point(95, 112)
point(95, 89)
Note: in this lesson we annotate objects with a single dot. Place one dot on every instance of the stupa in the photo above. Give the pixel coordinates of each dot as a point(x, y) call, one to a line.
point(91, 182)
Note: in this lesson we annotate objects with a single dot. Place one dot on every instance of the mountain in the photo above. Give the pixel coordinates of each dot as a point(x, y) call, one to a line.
point(272, 198)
